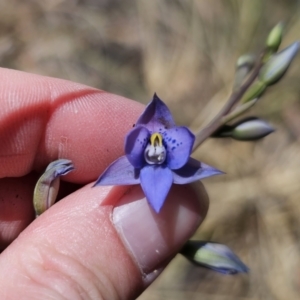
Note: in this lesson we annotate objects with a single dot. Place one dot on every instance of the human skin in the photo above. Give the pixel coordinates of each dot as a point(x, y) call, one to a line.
point(96, 243)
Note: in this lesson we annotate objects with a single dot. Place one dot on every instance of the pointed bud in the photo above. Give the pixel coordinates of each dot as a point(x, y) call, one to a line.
point(47, 187)
point(213, 256)
point(250, 129)
point(277, 65)
point(254, 91)
point(274, 38)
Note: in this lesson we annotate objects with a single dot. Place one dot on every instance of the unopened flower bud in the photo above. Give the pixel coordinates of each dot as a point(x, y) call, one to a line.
point(278, 64)
point(250, 129)
point(213, 256)
point(244, 65)
point(246, 60)
point(275, 36)
point(47, 187)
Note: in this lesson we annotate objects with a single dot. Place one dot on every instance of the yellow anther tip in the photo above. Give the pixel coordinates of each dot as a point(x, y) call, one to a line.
point(156, 140)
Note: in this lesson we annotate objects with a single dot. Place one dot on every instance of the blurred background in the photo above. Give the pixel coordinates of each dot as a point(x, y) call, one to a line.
point(186, 52)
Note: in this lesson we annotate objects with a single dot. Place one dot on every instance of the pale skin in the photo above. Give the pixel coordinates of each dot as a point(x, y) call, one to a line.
point(74, 251)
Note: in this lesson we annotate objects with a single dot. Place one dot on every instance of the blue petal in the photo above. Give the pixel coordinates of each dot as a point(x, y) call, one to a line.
point(156, 116)
point(156, 182)
point(194, 170)
point(135, 144)
point(120, 172)
point(179, 142)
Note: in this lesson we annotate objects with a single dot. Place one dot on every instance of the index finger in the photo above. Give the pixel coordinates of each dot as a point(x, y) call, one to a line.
point(43, 119)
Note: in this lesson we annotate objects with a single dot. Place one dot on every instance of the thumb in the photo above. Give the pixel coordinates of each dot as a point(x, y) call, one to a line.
point(99, 243)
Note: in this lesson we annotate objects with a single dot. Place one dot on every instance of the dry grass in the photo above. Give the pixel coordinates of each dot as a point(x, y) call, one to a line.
point(186, 51)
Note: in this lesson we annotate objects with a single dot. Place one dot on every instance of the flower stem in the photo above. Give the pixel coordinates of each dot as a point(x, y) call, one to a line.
point(238, 111)
point(214, 125)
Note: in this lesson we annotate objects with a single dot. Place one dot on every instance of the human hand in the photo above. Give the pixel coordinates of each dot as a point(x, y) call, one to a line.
point(96, 243)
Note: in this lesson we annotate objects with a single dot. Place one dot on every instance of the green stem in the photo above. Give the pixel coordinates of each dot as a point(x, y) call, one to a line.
point(238, 111)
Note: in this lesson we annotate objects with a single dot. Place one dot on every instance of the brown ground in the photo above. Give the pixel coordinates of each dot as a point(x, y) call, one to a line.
point(186, 52)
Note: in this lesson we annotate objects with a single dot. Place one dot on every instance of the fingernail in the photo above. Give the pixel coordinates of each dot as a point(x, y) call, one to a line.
point(152, 238)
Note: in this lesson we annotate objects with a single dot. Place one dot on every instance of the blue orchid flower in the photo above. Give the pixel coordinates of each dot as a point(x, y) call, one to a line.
point(157, 154)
